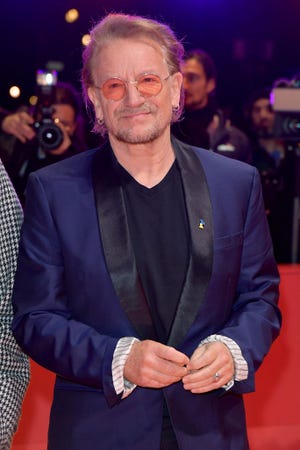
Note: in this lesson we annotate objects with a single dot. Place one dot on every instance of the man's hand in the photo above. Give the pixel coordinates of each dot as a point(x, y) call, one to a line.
point(19, 125)
point(210, 367)
point(154, 365)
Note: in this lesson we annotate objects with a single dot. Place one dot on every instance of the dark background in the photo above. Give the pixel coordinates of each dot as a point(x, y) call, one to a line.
point(252, 42)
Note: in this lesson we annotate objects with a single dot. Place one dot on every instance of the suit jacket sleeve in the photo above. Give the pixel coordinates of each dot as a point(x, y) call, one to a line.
point(45, 325)
point(255, 319)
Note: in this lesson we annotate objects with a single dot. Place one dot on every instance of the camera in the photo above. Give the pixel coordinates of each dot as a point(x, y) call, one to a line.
point(49, 135)
point(285, 99)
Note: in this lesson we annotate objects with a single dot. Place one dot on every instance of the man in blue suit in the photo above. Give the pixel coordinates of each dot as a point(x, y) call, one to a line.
point(146, 279)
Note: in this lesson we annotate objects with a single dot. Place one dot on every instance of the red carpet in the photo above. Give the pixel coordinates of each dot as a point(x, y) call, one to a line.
point(272, 411)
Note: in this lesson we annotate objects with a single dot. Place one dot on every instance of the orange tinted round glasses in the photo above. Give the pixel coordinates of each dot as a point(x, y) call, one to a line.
point(147, 84)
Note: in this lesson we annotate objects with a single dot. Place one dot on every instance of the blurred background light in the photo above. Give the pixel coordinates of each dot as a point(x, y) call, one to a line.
point(85, 39)
point(33, 100)
point(14, 91)
point(72, 15)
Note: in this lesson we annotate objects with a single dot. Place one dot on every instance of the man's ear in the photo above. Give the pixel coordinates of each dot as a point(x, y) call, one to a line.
point(211, 85)
point(92, 94)
point(176, 88)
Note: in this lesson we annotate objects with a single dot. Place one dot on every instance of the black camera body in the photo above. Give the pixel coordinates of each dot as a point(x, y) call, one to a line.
point(49, 135)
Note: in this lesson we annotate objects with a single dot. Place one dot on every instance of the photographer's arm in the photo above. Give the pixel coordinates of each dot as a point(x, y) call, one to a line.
point(19, 125)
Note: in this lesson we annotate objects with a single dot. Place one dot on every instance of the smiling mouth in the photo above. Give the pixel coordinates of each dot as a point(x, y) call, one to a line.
point(134, 111)
point(132, 115)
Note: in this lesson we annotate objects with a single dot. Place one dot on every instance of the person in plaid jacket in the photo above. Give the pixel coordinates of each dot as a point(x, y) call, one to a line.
point(14, 365)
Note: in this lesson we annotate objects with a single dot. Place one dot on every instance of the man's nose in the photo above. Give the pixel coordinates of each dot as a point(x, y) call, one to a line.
point(265, 112)
point(132, 94)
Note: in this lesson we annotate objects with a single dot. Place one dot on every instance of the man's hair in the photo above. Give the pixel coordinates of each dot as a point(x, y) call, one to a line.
point(205, 60)
point(259, 94)
point(123, 26)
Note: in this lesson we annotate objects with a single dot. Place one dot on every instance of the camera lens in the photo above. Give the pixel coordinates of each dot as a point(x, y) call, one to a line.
point(49, 135)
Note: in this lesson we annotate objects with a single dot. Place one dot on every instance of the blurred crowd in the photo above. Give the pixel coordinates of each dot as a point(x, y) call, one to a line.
point(57, 128)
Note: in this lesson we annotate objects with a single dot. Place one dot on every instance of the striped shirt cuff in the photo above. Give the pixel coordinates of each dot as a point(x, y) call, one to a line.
point(120, 356)
point(240, 364)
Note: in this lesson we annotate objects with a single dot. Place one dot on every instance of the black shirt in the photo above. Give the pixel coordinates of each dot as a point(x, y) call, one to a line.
point(159, 231)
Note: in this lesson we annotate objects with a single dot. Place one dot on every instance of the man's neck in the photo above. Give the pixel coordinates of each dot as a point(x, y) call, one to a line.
point(147, 163)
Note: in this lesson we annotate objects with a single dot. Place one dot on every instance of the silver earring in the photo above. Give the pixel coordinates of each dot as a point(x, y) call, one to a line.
point(100, 121)
point(175, 109)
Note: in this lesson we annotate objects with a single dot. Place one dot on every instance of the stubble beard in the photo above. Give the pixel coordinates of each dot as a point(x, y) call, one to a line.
point(265, 132)
point(129, 136)
point(149, 134)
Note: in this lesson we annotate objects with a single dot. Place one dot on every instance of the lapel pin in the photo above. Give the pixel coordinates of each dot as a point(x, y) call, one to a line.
point(201, 224)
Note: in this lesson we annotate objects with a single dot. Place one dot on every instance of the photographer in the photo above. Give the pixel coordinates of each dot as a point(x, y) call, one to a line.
point(204, 124)
point(53, 132)
point(275, 165)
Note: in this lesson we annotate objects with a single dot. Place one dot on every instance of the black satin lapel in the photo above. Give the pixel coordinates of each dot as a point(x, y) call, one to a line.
point(200, 218)
point(117, 244)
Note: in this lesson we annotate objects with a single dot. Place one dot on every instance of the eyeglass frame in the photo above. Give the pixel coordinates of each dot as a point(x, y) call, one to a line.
point(135, 83)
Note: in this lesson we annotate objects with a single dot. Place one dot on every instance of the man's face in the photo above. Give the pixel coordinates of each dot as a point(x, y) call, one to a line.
point(64, 115)
point(135, 118)
point(196, 86)
point(262, 117)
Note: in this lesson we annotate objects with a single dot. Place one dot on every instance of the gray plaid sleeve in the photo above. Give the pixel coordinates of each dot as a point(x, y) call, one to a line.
point(14, 365)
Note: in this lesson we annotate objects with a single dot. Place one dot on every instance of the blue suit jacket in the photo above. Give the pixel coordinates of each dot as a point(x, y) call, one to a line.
point(77, 292)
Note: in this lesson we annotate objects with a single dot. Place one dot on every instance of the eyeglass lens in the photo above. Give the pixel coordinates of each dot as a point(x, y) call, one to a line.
point(148, 85)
